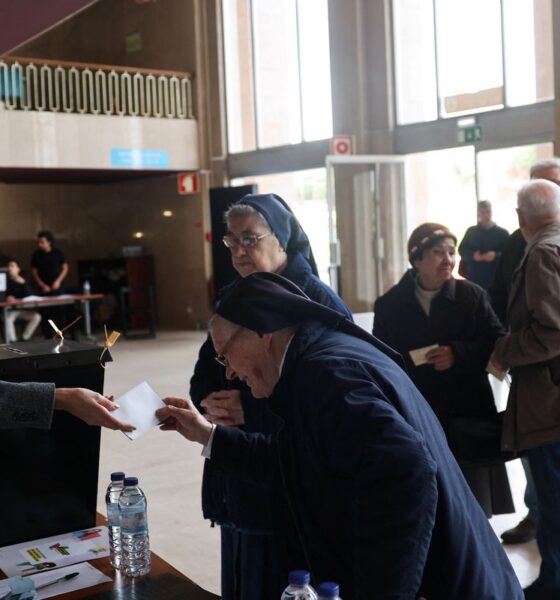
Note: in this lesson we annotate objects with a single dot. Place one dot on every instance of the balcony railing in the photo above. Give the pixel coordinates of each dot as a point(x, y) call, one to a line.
point(58, 86)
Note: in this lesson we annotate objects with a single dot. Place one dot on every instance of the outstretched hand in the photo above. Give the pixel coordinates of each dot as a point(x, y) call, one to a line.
point(90, 407)
point(181, 415)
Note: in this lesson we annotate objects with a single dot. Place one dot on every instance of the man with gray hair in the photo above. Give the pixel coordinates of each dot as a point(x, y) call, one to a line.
point(532, 352)
point(512, 254)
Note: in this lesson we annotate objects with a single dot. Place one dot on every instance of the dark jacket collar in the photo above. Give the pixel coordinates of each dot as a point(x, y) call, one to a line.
point(407, 286)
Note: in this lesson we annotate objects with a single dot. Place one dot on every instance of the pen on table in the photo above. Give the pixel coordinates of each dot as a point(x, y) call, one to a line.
point(65, 578)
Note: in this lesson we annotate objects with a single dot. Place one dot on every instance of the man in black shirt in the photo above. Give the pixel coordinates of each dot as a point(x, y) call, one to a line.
point(49, 270)
point(48, 265)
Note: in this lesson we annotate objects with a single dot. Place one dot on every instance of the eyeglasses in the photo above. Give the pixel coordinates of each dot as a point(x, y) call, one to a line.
point(222, 360)
point(246, 241)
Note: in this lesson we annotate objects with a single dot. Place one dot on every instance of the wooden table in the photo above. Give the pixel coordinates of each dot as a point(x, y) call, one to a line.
point(123, 588)
point(83, 299)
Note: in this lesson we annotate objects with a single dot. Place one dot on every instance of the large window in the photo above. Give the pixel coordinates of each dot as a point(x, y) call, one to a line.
point(454, 57)
point(277, 65)
point(500, 174)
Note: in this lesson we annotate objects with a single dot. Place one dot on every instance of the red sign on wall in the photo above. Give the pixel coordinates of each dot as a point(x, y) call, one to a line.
point(342, 144)
point(187, 183)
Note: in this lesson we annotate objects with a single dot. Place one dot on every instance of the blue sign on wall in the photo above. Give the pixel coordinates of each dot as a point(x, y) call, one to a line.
point(137, 158)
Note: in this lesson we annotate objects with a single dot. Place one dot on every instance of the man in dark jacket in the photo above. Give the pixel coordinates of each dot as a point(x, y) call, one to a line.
point(481, 247)
point(367, 491)
point(511, 257)
point(532, 352)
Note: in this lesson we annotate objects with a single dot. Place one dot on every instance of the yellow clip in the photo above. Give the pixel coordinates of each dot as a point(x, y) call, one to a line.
point(110, 341)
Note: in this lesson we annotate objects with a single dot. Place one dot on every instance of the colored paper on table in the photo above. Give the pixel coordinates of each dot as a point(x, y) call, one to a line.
point(418, 356)
point(138, 407)
point(88, 575)
point(35, 556)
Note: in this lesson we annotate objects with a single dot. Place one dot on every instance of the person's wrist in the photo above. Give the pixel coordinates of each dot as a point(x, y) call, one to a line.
point(205, 432)
point(62, 398)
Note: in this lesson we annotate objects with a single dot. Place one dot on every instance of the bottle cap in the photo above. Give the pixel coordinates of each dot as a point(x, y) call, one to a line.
point(117, 476)
point(131, 481)
point(328, 589)
point(299, 577)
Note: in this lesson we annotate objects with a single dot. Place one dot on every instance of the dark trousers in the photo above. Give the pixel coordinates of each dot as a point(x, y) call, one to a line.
point(545, 468)
point(250, 566)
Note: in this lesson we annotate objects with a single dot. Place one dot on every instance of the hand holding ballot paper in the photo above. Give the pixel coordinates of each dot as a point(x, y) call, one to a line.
point(138, 406)
point(440, 357)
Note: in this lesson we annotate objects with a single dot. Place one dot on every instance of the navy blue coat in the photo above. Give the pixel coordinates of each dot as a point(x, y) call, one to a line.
point(226, 500)
point(368, 493)
point(460, 316)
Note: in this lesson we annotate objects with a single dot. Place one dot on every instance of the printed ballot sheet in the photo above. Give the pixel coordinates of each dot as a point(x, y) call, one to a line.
point(83, 575)
point(138, 407)
point(35, 556)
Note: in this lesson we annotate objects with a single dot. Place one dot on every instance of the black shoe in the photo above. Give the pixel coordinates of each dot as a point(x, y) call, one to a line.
point(538, 591)
point(524, 531)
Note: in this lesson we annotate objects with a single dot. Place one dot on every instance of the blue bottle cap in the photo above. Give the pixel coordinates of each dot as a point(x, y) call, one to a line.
point(299, 577)
point(328, 589)
point(131, 481)
point(117, 476)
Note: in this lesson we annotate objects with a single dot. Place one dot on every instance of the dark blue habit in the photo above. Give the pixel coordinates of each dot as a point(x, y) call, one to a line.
point(366, 490)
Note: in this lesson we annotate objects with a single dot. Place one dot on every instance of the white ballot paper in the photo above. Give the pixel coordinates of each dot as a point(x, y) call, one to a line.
point(138, 407)
point(87, 575)
point(418, 356)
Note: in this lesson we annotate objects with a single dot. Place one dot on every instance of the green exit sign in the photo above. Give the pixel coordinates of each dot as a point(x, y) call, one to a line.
point(469, 135)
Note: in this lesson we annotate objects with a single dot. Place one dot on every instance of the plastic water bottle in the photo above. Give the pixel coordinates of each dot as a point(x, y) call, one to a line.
point(298, 587)
point(134, 529)
point(328, 590)
point(114, 518)
point(87, 287)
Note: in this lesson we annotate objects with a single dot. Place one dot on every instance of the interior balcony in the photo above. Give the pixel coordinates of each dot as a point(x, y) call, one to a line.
point(64, 121)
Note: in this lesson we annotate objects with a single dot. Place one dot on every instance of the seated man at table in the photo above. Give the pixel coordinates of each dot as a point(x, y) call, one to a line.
point(366, 490)
point(17, 289)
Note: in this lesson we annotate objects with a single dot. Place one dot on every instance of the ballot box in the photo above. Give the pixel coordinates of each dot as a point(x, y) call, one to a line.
point(48, 478)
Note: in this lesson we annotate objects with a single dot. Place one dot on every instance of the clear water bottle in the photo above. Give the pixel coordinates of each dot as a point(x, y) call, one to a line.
point(299, 587)
point(87, 287)
point(113, 517)
point(134, 529)
point(328, 590)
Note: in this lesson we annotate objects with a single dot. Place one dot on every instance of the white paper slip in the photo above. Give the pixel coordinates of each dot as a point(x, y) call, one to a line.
point(418, 356)
point(138, 407)
point(498, 373)
point(87, 575)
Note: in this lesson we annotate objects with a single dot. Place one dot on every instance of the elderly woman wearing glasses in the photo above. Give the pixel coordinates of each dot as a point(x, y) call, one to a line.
point(263, 235)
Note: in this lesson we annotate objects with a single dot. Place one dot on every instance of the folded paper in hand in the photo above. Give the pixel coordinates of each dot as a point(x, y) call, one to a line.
point(418, 356)
point(138, 407)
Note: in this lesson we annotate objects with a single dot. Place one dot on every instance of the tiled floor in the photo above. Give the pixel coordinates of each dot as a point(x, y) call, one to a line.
point(170, 468)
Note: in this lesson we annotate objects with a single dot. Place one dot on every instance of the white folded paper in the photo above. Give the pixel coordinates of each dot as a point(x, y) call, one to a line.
point(138, 407)
point(418, 356)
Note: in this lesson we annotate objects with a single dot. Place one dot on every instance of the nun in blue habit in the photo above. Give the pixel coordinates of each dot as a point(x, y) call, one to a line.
point(263, 236)
point(366, 490)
